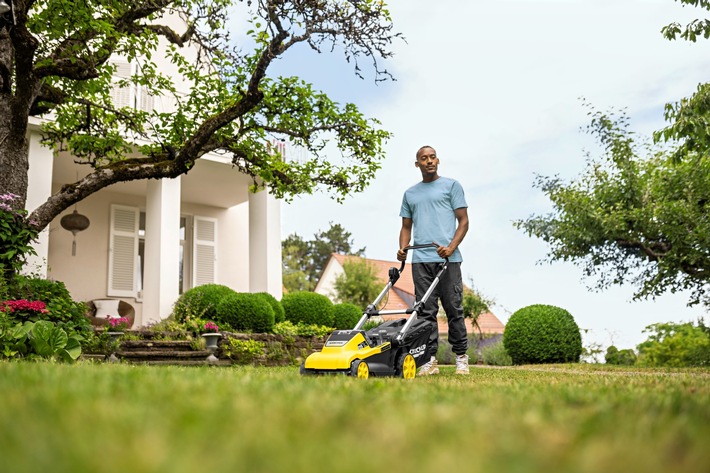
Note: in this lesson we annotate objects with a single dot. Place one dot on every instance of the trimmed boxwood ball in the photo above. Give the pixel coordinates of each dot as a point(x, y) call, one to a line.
point(542, 334)
point(279, 313)
point(346, 315)
point(309, 308)
point(246, 311)
point(200, 301)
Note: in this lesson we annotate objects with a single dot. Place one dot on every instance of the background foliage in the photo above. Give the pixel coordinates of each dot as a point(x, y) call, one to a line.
point(305, 260)
point(358, 285)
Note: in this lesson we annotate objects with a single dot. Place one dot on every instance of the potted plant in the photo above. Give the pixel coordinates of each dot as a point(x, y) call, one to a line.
point(210, 332)
point(114, 329)
point(117, 324)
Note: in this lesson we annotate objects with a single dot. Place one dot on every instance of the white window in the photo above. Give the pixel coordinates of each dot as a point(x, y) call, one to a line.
point(132, 95)
point(204, 251)
point(196, 259)
point(123, 251)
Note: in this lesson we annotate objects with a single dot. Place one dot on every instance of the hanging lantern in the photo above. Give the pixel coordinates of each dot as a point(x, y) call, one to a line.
point(75, 223)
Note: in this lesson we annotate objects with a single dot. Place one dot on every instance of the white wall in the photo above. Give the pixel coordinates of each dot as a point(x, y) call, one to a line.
point(86, 274)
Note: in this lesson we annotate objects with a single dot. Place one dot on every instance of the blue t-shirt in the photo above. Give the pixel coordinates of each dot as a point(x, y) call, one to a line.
point(431, 207)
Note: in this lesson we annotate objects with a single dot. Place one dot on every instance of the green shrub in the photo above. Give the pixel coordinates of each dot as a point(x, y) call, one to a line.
point(200, 302)
point(675, 345)
point(289, 329)
point(496, 355)
point(279, 313)
point(309, 308)
point(61, 308)
point(542, 334)
point(346, 315)
point(246, 312)
point(625, 357)
point(243, 352)
point(171, 328)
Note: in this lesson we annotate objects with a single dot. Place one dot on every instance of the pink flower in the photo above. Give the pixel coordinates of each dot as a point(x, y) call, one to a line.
point(118, 324)
point(210, 327)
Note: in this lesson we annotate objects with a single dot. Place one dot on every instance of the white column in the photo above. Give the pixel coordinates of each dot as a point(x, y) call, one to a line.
point(162, 249)
point(39, 189)
point(265, 244)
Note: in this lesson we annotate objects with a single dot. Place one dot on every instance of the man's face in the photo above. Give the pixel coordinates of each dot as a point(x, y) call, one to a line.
point(427, 162)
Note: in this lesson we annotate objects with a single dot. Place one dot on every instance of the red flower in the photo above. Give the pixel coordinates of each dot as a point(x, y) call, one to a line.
point(23, 307)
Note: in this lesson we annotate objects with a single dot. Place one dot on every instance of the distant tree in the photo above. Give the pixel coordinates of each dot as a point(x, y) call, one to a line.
point(358, 284)
point(625, 357)
point(676, 345)
point(304, 261)
point(294, 256)
point(333, 240)
point(638, 215)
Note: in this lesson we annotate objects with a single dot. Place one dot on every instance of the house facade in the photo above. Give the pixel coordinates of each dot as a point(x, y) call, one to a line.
point(401, 296)
point(150, 240)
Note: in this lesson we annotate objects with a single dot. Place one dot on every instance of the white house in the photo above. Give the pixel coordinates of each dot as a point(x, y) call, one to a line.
point(150, 240)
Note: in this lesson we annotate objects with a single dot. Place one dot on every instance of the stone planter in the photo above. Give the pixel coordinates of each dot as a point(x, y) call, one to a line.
point(211, 340)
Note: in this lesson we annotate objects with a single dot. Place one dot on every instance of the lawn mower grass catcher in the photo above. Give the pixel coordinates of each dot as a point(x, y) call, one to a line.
point(395, 348)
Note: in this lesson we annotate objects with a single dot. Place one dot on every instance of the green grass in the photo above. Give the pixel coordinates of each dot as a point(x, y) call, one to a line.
point(568, 418)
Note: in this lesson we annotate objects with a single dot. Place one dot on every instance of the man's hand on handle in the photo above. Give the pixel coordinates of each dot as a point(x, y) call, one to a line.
point(445, 251)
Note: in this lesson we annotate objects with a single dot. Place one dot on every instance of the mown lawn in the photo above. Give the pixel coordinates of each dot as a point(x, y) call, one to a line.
point(57, 418)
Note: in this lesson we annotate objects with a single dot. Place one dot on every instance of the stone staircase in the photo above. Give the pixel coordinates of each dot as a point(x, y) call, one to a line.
point(161, 352)
point(158, 351)
point(163, 348)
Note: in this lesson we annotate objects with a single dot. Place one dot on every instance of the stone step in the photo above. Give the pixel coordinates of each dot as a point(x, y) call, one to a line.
point(161, 354)
point(156, 345)
point(204, 362)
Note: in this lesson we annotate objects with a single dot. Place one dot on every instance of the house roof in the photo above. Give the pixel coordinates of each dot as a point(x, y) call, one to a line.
point(487, 322)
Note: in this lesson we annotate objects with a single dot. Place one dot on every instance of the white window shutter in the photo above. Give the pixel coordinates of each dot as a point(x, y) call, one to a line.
point(204, 269)
point(122, 96)
point(147, 102)
point(123, 251)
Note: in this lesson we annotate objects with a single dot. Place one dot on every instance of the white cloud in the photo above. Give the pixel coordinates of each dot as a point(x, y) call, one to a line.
point(494, 86)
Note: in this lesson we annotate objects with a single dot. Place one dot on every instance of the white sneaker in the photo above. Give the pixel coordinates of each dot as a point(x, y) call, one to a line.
point(462, 364)
point(429, 368)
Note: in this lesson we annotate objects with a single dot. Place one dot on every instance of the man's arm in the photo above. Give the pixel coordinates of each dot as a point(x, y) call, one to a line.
point(461, 230)
point(405, 236)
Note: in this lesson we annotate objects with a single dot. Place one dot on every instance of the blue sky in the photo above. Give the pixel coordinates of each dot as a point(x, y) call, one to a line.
point(495, 87)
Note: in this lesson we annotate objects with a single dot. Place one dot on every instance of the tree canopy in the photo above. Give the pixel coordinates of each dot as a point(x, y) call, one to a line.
point(55, 65)
point(689, 118)
point(637, 215)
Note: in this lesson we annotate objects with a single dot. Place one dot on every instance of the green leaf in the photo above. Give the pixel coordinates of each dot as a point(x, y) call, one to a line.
point(47, 339)
point(72, 350)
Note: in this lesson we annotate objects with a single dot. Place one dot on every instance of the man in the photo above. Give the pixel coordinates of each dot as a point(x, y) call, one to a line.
point(435, 211)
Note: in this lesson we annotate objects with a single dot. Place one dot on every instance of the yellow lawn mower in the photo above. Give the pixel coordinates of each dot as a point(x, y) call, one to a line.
point(395, 348)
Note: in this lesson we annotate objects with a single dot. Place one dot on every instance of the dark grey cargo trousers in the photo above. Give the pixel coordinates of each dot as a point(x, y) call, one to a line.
point(450, 292)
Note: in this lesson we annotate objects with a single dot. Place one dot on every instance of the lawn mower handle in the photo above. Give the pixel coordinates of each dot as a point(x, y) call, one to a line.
point(418, 247)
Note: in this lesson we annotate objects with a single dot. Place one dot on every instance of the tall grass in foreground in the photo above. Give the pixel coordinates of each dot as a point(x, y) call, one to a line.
point(78, 418)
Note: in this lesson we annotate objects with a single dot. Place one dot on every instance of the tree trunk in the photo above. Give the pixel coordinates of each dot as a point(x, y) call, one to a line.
point(14, 152)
